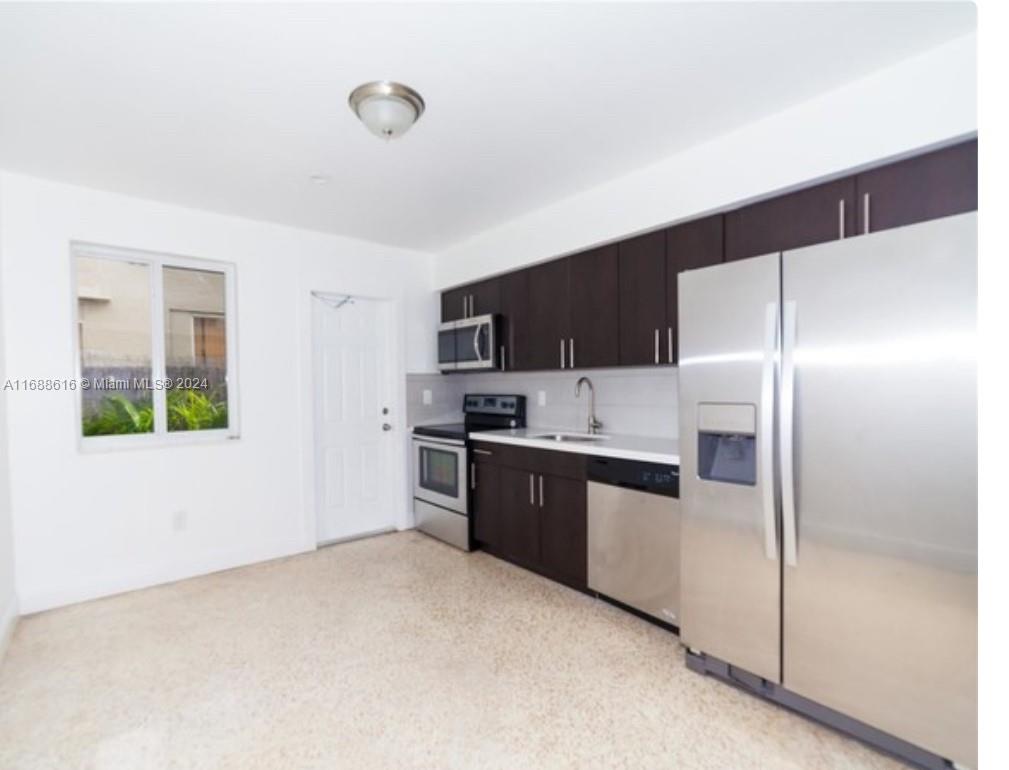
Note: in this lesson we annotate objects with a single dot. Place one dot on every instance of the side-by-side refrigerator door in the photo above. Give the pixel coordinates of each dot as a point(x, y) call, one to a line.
point(879, 481)
point(730, 569)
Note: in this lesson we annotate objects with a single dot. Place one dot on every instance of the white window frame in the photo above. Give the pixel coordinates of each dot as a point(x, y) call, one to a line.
point(155, 262)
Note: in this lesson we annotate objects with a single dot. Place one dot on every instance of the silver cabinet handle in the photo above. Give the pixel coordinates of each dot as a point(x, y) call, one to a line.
point(571, 342)
point(787, 406)
point(482, 452)
point(465, 307)
point(532, 492)
point(562, 353)
point(541, 491)
point(472, 475)
point(865, 213)
point(656, 346)
point(670, 333)
point(840, 218)
point(504, 362)
point(765, 459)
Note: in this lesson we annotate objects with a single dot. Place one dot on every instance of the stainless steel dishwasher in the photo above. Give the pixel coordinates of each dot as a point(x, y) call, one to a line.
point(634, 535)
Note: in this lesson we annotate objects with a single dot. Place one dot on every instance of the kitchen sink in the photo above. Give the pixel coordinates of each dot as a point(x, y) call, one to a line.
point(572, 437)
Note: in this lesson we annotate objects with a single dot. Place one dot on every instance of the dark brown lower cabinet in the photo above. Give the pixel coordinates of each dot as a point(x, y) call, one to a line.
point(488, 526)
point(563, 530)
point(530, 508)
point(519, 517)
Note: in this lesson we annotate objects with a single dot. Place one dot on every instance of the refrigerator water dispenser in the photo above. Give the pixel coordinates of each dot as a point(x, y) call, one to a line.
point(727, 443)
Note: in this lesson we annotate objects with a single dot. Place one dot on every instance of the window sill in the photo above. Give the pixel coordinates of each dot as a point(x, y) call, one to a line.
point(133, 441)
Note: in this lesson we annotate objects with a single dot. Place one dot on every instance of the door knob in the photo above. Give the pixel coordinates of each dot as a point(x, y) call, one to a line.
point(386, 426)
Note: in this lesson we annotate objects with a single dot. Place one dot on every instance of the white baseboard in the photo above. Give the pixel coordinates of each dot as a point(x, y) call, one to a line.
point(8, 619)
point(39, 599)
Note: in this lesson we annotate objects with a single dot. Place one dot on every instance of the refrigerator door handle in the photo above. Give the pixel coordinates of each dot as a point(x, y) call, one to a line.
point(787, 406)
point(766, 458)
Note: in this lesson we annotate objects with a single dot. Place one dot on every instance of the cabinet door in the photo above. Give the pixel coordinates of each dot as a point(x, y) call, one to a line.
point(689, 246)
point(938, 184)
point(485, 297)
point(642, 278)
point(455, 304)
point(487, 523)
point(595, 308)
point(813, 215)
point(549, 315)
point(514, 290)
point(563, 530)
point(519, 517)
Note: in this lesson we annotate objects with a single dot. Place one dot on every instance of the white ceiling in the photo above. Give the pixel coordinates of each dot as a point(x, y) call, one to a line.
point(231, 108)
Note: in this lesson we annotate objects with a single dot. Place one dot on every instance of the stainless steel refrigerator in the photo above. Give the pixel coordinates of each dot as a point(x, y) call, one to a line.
point(828, 437)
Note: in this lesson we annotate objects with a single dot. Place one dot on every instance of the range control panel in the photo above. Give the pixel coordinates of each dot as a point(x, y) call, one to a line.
point(480, 403)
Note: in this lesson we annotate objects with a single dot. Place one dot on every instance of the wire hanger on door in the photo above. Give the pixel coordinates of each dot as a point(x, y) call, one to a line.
point(333, 302)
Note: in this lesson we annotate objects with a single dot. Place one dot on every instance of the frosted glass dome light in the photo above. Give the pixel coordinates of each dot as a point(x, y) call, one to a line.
point(387, 109)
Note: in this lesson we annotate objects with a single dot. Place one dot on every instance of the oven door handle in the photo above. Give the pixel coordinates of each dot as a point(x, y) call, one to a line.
point(440, 441)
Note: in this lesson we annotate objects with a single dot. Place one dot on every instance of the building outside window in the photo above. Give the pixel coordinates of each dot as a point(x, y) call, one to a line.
point(155, 339)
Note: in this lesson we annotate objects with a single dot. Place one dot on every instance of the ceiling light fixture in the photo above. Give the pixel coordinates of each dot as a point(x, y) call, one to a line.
point(387, 109)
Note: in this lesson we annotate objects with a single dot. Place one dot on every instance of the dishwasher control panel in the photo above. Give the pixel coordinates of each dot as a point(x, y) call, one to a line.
point(656, 478)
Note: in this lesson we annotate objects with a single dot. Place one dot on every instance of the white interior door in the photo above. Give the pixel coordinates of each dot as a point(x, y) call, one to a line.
point(354, 441)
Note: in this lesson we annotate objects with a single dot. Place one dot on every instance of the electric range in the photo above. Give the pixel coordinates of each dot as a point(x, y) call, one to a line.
point(442, 465)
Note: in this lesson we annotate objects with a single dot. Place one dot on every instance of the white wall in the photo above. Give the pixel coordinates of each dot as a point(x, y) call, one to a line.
point(8, 596)
point(89, 524)
point(921, 102)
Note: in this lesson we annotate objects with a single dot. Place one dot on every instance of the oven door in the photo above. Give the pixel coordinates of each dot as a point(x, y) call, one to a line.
point(476, 343)
point(439, 472)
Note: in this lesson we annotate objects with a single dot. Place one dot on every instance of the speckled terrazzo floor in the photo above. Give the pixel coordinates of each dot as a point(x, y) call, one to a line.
point(392, 652)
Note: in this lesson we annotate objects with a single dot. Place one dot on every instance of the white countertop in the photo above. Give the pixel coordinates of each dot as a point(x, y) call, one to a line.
point(645, 448)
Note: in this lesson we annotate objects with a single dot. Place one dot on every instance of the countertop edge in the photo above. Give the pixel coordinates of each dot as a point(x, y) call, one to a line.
point(597, 450)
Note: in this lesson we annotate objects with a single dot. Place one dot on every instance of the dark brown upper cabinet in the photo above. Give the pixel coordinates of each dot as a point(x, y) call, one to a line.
point(618, 304)
point(594, 339)
point(817, 214)
point(455, 304)
point(937, 184)
point(471, 300)
point(514, 329)
point(485, 297)
point(549, 315)
point(642, 300)
point(689, 246)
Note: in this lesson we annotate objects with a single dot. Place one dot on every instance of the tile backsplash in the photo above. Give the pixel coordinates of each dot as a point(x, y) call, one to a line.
point(639, 402)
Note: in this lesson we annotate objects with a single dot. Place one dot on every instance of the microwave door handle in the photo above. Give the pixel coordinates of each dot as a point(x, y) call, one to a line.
point(476, 341)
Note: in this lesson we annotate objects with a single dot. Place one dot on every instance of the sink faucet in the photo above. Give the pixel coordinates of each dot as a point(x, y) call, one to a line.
point(594, 424)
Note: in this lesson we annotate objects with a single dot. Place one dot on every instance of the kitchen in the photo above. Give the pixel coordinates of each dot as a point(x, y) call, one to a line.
point(649, 522)
point(496, 433)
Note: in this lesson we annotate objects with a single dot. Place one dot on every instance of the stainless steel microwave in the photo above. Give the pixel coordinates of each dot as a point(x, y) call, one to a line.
point(468, 344)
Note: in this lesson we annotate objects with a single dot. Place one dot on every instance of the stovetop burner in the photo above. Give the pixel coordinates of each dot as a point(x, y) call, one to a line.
point(456, 430)
point(480, 412)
